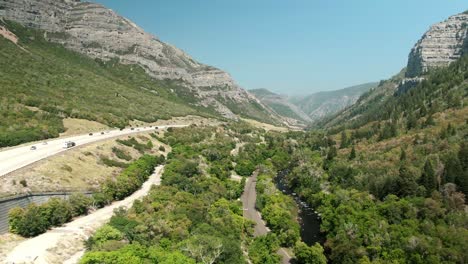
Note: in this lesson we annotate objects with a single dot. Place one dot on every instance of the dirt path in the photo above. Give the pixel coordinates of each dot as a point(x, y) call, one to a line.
point(65, 244)
point(248, 199)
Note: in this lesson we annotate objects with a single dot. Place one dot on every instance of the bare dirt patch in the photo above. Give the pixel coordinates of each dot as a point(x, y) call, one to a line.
point(75, 126)
point(264, 125)
point(184, 120)
point(8, 242)
point(8, 35)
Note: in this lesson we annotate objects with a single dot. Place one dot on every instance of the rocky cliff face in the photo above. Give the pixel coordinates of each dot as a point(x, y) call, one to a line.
point(99, 32)
point(442, 44)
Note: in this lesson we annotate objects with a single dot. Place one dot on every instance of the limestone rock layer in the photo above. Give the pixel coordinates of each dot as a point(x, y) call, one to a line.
point(442, 44)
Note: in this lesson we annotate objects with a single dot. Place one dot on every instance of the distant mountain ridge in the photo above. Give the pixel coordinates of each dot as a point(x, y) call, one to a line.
point(322, 104)
point(100, 33)
point(281, 105)
point(314, 107)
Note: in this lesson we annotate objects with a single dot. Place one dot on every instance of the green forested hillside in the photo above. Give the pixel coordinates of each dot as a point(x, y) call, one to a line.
point(391, 183)
point(42, 82)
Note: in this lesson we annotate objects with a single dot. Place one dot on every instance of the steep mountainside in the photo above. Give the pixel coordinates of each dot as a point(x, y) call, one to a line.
point(100, 33)
point(311, 108)
point(442, 44)
point(281, 105)
point(322, 104)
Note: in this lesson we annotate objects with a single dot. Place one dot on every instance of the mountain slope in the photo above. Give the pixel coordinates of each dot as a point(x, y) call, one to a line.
point(100, 33)
point(322, 104)
point(42, 83)
point(312, 108)
point(442, 44)
point(281, 105)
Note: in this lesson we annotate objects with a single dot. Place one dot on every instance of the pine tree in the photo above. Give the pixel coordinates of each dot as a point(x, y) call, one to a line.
point(428, 178)
point(403, 155)
point(331, 153)
point(453, 169)
point(406, 183)
point(463, 156)
point(411, 121)
point(462, 179)
point(352, 155)
point(344, 140)
point(429, 121)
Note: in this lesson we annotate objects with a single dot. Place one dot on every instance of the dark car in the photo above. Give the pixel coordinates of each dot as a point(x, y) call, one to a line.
point(33, 148)
point(102, 133)
point(132, 128)
point(90, 134)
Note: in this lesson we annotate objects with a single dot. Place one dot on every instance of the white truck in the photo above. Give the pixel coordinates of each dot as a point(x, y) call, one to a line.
point(69, 144)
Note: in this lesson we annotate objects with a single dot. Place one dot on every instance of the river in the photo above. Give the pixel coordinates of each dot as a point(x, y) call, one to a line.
point(308, 218)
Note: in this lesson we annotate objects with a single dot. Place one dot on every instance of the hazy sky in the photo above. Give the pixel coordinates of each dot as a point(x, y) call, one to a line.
point(292, 46)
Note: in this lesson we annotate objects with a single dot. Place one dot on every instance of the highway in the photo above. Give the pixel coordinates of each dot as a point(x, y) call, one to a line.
point(15, 158)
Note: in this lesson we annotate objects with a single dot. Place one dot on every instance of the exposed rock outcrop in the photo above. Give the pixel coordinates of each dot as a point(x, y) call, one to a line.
point(442, 44)
point(98, 32)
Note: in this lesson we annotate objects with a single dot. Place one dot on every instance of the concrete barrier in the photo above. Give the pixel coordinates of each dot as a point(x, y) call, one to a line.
point(23, 200)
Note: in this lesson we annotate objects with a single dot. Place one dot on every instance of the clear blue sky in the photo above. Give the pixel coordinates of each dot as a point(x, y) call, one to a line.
point(292, 46)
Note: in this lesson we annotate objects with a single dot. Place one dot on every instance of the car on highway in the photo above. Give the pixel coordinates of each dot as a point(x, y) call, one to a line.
point(33, 148)
point(69, 144)
point(132, 128)
point(90, 134)
point(102, 133)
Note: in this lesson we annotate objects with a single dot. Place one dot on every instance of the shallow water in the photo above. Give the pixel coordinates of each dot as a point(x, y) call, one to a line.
point(308, 218)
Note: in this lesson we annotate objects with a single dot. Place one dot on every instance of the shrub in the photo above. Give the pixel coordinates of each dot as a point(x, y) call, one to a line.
point(24, 183)
point(79, 203)
point(101, 199)
point(309, 255)
point(102, 235)
point(15, 218)
point(130, 179)
point(28, 222)
point(121, 154)
point(245, 167)
point(113, 163)
point(57, 211)
point(263, 250)
point(162, 148)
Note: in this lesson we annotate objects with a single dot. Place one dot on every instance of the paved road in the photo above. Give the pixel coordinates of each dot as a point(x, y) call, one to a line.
point(248, 199)
point(66, 244)
point(14, 158)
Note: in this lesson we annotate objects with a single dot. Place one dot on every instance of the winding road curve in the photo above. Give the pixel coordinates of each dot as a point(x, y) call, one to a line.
point(15, 158)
